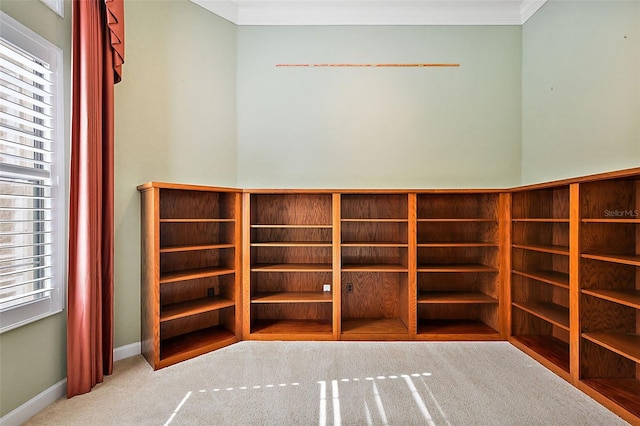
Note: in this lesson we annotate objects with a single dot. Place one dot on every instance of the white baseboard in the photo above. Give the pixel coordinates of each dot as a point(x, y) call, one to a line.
point(35, 405)
point(127, 351)
point(57, 391)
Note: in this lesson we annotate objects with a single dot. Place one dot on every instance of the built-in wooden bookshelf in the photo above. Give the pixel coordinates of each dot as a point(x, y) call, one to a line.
point(190, 263)
point(458, 265)
point(540, 320)
point(374, 247)
point(553, 268)
point(609, 296)
point(289, 266)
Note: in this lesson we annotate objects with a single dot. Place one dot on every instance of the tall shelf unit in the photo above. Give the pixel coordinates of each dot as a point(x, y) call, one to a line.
point(540, 320)
point(190, 279)
point(458, 266)
point(289, 266)
point(609, 296)
point(375, 262)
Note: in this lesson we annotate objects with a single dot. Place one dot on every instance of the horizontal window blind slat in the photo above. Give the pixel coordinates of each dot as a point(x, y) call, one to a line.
point(8, 92)
point(40, 162)
point(20, 259)
point(29, 109)
point(10, 170)
point(25, 197)
point(24, 271)
point(23, 72)
point(28, 136)
point(17, 54)
point(16, 121)
point(24, 85)
point(7, 300)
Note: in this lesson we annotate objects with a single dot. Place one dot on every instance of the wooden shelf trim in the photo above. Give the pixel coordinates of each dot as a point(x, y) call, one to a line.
point(292, 267)
point(627, 345)
point(550, 312)
point(461, 220)
point(630, 259)
point(563, 250)
point(293, 297)
point(192, 274)
point(196, 247)
point(290, 226)
point(559, 279)
point(464, 297)
point(622, 296)
point(373, 267)
point(591, 220)
point(193, 307)
point(456, 268)
point(195, 220)
point(293, 244)
point(375, 220)
point(379, 244)
point(541, 219)
point(457, 244)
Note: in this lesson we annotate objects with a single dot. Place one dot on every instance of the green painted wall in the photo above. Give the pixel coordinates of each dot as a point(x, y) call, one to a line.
point(175, 122)
point(24, 371)
point(379, 127)
point(581, 89)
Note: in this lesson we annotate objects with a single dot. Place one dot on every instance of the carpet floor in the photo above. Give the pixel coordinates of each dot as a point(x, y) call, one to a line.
point(336, 383)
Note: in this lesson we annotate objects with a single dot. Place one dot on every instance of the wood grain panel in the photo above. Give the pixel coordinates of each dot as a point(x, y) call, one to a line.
point(369, 232)
point(601, 315)
point(180, 261)
point(374, 206)
point(375, 295)
point(608, 238)
point(457, 232)
point(176, 203)
point(284, 235)
point(196, 289)
point(603, 199)
point(196, 233)
point(542, 203)
point(477, 282)
point(291, 254)
point(374, 255)
point(291, 311)
point(599, 362)
point(291, 209)
point(458, 206)
point(150, 276)
point(289, 281)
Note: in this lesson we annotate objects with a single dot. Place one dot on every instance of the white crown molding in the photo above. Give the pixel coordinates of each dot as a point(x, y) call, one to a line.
point(373, 12)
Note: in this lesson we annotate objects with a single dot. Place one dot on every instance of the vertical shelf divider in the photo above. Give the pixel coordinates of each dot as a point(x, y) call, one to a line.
point(413, 265)
point(504, 255)
point(574, 282)
point(336, 266)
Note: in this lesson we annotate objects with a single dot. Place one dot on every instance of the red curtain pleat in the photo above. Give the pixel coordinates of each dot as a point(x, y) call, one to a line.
point(91, 229)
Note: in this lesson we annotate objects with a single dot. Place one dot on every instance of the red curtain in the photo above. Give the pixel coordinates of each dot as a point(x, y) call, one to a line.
point(98, 55)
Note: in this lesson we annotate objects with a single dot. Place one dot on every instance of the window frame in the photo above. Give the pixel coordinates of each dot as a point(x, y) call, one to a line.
point(28, 40)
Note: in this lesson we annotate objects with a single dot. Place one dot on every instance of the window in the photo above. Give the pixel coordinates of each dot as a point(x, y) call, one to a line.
point(32, 202)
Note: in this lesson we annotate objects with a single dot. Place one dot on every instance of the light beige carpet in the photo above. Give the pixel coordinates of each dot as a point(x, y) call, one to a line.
point(348, 383)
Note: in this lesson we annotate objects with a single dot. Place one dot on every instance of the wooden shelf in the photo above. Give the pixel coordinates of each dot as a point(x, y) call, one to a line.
point(378, 267)
point(589, 220)
point(456, 268)
point(374, 244)
point(623, 392)
point(461, 220)
point(290, 226)
point(291, 327)
point(292, 244)
point(627, 345)
point(195, 247)
point(553, 249)
point(204, 220)
point(193, 307)
point(457, 327)
point(375, 220)
point(374, 326)
point(548, 347)
point(195, 343)
point(193, 274)
point(457, 245)
point(293, 297)
point(542, 220)
point(433, 297)
point(555, 314)
point(624, 297)
point(292, 267)
point(633, 260)
point(559, 279)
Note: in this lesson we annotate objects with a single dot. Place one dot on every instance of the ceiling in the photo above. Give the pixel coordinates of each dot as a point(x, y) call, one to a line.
point(373, 12)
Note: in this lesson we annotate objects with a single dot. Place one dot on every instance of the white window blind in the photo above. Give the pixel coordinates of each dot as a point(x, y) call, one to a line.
point(31, 204)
